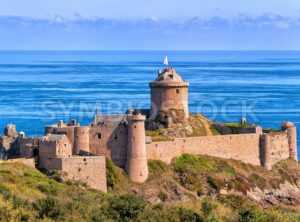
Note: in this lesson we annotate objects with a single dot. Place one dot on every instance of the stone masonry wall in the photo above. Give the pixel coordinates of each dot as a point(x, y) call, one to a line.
point(108, 137)
point(275, 147)
point(88, 169)
point(256, 149)
point(169, 98)
point(244, 147)
point(50, 149)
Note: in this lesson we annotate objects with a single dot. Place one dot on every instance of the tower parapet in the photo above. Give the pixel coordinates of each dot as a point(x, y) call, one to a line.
point(291, 131)
point(169, 92)
point(136, 162)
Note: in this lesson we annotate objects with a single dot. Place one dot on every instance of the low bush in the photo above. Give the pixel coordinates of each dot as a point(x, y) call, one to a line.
point(187, 215)
point(252, 213)
point(50, 208)
point(126, 207)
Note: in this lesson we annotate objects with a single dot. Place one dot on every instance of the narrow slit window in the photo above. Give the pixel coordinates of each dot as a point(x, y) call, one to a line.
point(177, 91)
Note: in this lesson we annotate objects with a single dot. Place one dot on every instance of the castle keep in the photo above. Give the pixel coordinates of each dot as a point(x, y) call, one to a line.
point(79, 152)
point(168, 92)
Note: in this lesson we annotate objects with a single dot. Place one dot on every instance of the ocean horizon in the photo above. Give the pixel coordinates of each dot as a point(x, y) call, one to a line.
point(39, 88)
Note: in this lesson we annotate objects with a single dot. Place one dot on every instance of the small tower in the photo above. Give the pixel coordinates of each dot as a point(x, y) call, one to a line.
point(169, 92)
point(136, 161)
point(291, 131)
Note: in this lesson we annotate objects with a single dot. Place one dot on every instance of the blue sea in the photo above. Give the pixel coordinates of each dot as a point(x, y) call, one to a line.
point(42, 87)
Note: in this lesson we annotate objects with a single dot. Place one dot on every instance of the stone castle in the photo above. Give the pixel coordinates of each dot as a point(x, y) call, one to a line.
point(80, 151)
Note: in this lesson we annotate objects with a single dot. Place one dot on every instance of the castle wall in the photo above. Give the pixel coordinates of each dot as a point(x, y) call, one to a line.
point(275, 147)
point(69, 131)
point(108, 137)
point(244, 147)
point(50, 149)
point(27, 145)
point(88, 169)
point(26, 161)
point(166, 98)
point(256, 149)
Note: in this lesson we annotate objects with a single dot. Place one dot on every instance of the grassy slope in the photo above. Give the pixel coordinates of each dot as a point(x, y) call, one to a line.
point(187, 191)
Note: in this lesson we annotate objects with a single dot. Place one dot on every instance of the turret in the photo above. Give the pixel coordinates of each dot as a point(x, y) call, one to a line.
point(136, 161)
point(265, 155)
point(291, 131)
point(169, 92)
point(82, 140)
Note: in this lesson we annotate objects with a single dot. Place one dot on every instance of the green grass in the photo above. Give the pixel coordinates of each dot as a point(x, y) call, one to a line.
point(235, 127)
point(156, 166)
point(156, 136)
point(201, 164)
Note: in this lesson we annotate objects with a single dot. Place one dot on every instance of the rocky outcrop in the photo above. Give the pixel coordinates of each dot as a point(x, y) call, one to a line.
point(287, 194)
point(172, 124)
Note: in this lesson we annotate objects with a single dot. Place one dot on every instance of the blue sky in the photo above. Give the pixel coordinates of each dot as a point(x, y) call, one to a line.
point(150, 24)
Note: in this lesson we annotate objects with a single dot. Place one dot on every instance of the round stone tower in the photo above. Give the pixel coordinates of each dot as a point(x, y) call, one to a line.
point(291, 131)
point(82, 140)
point(169, 92)
point(136, 161)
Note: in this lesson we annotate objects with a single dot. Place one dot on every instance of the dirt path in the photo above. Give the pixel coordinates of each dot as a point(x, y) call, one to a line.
point(206, 125)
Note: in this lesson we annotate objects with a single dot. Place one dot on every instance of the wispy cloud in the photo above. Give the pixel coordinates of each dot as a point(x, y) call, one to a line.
point(151, 33)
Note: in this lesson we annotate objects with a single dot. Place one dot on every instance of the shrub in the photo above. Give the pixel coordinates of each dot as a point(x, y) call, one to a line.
point(126, 207)
point(187, 215)
point(208, 207)
point(50, 207)
point(252, 213)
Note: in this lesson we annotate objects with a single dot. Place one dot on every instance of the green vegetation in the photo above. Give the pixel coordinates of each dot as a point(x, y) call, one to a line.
point(186, 190)
point(117, 179)
point(271, 130)
point(156, 166)
point(156, 135)
point(235, 127)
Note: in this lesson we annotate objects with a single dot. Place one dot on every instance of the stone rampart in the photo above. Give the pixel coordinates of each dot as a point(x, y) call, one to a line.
point(256, 149)
point(244, 147)
point(28, 162)
point(274, 147)
point(88, 169)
